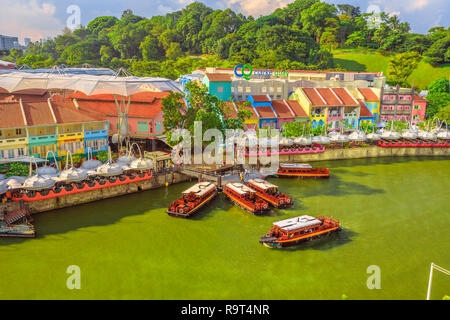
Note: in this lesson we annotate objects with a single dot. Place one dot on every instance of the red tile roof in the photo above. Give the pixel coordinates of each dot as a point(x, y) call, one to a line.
point(314, 97)
point(368, 94)
point(364, 112)
point(11, 115)
point(321, 97)
point(230, 111)
point(265, 112)
point(222, 77)
point(239, 104)
point(38, 113)
point(297, 108)
point(345, 97)
point(66, 112)
point(137, 97)
point(419, 98)
point(282, 110)
point(261, 98)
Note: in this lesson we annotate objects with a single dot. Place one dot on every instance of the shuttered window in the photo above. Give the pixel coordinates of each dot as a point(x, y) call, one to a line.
point(158, 127)
point(142, 126)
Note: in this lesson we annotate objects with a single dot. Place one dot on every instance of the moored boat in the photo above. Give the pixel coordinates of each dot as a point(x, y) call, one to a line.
point(23, 230)
point(193, 199)
point(270, 193)
point(296, 230)
point(246, 198)
point(301, 170)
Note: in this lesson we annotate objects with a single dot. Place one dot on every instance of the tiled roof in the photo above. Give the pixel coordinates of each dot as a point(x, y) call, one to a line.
point(247, 107)
point(144, 97)
point(265, 112)
point(38, 113)
point(419, 98)
point(66, 112)
point(282, 110)
point(230, 111)
point(261, 98)
point(320, 97)
point(364, 112)
point(345, 97)
point(222, 77)
point(368, 94)
point(11, 115)
point(297, 108)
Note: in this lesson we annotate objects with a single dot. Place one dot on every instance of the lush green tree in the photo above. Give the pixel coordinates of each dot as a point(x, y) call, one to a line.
point(438, 96)
point(401, 66)
point(174, 51)
point(151, 49)
point(17, 169)
point(316, 18)
point(101, 23)
point(439, 51)
point(16, 53)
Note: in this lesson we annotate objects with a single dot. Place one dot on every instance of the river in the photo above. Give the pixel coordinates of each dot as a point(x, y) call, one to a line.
point(394, 211)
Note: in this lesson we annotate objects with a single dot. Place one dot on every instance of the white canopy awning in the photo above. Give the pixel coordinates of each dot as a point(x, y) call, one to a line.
point(88, 84)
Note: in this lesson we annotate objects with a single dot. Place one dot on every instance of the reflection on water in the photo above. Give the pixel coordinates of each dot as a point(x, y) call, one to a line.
point(128, 247)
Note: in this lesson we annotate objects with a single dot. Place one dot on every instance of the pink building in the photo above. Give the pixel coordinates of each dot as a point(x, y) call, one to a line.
point(419, 108)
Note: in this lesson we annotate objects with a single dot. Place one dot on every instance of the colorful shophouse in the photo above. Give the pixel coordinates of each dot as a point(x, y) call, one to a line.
point(218, 85)
point(365, 116)
point(372, 101)
point(328, 106)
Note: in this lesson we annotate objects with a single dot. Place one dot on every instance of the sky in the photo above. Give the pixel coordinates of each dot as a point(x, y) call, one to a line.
point(37, 19)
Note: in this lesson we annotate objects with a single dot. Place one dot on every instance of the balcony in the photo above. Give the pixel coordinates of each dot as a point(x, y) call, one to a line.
point(96, 134)
point(8, 142)
point(70, 136)
point(40, 140)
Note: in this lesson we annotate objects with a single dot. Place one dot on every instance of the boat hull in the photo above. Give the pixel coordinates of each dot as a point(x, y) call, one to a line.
point(244, 206)
point(298, 240)
point(195, 209)
point(303, 175)
point(273, 202)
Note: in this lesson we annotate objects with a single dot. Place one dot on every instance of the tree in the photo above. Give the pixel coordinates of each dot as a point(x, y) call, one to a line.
point(101, 23)
point(402, 65)
point(439, 51)
point(17, 169)
point(16, 53)
point(438, 97)
point(150, 49)
point(174, 51)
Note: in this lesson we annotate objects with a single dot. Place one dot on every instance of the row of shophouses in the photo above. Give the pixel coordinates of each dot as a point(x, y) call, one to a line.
point(318, 97)
point(35, 122)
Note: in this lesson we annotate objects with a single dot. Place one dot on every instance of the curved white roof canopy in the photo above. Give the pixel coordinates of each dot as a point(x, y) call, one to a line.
point(88, 84)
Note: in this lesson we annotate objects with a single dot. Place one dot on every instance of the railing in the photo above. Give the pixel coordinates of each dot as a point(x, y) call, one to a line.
point(12, 141)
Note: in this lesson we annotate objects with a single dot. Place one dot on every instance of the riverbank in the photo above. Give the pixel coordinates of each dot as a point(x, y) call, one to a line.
point(158, 180)
point(365, 152)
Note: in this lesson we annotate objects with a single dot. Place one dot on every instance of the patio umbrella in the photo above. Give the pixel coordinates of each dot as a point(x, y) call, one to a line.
point(72, 174)
point(37, 182)
point(47, 170)
point(321, 139)
point(410, 133)
point(110, 168)
point(140, 163)
point(2, 177)
point(90, 165)
point(390, 134)
point(357, 136)
point(14, 182)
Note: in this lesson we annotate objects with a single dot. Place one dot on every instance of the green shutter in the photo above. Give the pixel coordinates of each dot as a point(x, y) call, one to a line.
point(142, 126)
point(158, 127)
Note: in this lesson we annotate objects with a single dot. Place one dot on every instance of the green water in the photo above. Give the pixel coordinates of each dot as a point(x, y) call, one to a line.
point(395, 213)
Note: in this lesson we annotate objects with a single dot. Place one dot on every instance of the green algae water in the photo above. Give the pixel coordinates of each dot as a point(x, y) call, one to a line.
point(395, 215)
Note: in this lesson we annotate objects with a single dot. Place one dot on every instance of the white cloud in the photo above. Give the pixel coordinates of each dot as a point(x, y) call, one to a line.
point(29, 19)
point(257, 8)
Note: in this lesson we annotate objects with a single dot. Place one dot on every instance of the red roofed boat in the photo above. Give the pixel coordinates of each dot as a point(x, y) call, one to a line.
point(301, 170)
point(269, 192)
point(296, 230)
point(246, 198)
point(193, 199)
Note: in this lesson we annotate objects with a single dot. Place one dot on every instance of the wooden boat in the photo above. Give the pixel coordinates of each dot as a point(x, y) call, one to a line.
point(301, 170)
point(296, 230)
point(22, 230)
point(246, 198)
point(193, 199)
point(269, 192)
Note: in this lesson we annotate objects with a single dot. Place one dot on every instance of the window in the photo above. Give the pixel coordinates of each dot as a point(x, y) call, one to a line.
point(220, 89)
point(21, 152)
point(272, 89)
point(142, 126)
point(264, 89)
point(18, 131)
point(248, 89)
point(279, 89)
point(11, 153)
point(240, 89)
point(416, 117)
point(158, 127)
point(416, 107)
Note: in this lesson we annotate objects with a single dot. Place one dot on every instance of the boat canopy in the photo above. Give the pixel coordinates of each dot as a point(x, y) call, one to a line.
point(240, 188)
point(296, 165)
point(296, 223)
point(263, 184)
point(200, 189)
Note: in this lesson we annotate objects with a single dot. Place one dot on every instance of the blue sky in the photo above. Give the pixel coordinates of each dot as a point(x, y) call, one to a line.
point(42, 18)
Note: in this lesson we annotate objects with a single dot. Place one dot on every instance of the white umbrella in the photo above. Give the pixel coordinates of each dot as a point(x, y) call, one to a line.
point(141, 163)
point(2, 177)
point(286, 142)
point(321, 139)
point(14, 182)
point(357, 136)
point(110, 168)
point(37, 182)
point(390, 134)
point(373, 136)
point(410, 133)
point(72, 174)
point(90, 164)
point(3, 189)
point(47, 170)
